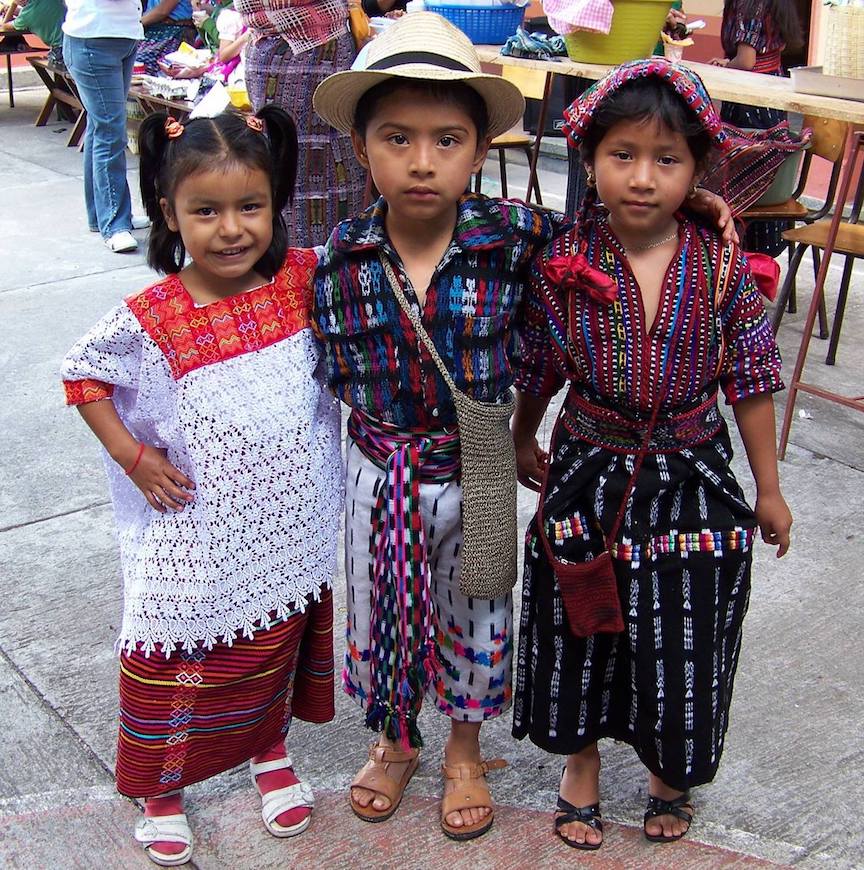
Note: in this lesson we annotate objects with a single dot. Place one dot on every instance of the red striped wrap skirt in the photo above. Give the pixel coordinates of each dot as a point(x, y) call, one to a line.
point(195, 714)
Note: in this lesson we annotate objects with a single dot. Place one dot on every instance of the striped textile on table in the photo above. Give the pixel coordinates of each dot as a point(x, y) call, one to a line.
point(196, 714)
point(330, 180)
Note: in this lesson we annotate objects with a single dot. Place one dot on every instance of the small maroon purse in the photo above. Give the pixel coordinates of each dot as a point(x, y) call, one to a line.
point(589, 590)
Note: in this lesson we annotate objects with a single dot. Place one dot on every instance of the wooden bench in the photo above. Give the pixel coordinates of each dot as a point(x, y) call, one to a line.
point(14, 42)
point(61, 89)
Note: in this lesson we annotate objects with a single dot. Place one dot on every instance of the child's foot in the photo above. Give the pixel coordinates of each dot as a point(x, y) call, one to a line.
point(165, 852)
point(278, 774)
point(379, 785)
point(466, 807)
point(672, 824)
point(453, 758)
point(580, 786)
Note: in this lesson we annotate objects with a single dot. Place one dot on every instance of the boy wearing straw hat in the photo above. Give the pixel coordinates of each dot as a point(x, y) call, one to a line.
point(421, 114)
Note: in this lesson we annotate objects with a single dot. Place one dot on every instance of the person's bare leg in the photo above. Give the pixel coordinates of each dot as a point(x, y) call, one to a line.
point(463, 747)
point(580, 786)
point(668, 825)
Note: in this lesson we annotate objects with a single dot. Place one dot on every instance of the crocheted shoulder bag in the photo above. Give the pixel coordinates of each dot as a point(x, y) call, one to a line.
point(489, 548)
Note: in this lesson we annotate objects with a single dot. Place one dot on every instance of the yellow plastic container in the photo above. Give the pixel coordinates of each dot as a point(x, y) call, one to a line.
point(636, 27)
point(239, 97)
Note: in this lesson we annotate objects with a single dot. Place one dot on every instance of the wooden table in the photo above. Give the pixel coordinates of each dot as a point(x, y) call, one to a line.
point(13, 42)
point(151, 103)
point(733, 85)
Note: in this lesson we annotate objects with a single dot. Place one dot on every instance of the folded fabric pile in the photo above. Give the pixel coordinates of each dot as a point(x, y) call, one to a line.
point(537, 46)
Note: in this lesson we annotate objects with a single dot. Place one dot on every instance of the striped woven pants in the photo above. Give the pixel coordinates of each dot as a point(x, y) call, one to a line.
point(474, 636)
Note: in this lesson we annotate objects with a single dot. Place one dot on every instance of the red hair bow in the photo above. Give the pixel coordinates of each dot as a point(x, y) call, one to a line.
point(766, 274)
point(574, 272)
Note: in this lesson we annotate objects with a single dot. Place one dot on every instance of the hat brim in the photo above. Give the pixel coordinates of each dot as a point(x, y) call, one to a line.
point(336, 98)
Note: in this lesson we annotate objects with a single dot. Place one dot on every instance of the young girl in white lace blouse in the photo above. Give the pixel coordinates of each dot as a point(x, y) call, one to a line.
point(222, 449)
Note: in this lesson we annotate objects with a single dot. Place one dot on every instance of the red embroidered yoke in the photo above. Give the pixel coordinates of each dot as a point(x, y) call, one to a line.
point(230, 391)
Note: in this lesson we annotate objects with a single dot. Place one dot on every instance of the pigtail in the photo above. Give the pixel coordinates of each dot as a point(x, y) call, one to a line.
point(152, 143)
point(282, 135)
point(165, 251)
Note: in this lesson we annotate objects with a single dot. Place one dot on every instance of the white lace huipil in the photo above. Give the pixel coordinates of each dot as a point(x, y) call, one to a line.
point(231, 390)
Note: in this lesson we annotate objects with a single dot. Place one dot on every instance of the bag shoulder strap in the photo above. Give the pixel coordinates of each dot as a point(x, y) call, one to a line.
point(424, 336)
point(722, 271)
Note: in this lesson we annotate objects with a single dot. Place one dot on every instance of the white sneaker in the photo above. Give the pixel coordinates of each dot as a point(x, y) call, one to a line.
point(120, 243)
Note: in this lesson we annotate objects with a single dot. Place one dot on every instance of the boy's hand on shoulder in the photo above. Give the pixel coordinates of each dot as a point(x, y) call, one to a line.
point(530, 464)
point(775, 521)
point(163, 485)
point(714, 208)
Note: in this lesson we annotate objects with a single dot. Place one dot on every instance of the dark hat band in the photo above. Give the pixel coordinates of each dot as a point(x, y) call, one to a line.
point(427, 57)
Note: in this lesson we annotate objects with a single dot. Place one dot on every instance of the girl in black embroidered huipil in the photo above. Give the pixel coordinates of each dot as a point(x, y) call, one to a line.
point(646, 314)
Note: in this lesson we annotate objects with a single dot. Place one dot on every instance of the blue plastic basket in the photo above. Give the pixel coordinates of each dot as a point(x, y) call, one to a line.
point(483, 25)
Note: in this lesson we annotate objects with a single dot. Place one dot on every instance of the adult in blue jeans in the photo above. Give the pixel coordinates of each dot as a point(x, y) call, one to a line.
point(100, 39)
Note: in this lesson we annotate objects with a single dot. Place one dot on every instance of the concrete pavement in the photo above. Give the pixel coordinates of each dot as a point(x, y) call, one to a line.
point(790, 791)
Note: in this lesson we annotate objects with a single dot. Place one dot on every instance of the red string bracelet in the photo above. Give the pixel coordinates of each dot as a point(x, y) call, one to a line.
point(134, 465)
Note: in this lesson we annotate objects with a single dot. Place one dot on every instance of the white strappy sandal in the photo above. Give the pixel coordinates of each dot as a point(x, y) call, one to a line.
point(165, 829)
point(280, 800)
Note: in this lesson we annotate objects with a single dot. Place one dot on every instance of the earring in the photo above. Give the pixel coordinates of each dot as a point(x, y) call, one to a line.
point(590, 180)
point(692, 192)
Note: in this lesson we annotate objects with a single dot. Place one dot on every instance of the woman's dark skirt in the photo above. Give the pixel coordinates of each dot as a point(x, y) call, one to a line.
point(330, 181)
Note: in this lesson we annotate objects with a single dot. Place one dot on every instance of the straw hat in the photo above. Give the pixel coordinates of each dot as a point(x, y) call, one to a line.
point(421, 46)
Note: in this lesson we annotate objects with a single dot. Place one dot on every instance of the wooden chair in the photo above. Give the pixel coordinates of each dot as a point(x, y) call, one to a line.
point(829, 137)
point(854, 233)
point(537, 85)
point(849, 241)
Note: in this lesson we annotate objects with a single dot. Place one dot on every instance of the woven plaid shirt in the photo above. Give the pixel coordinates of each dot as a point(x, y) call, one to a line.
point(374, 361)
point(303, 24)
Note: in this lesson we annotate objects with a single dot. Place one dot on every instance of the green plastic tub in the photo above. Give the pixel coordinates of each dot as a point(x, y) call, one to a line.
point(636, 26)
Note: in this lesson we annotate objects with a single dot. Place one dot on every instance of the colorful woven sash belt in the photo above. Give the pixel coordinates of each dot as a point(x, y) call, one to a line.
point(769, 62)
point(590, 417)
point(402, 631)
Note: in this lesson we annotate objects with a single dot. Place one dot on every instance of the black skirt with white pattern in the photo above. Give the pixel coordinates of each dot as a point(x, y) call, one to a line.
point(682, 562)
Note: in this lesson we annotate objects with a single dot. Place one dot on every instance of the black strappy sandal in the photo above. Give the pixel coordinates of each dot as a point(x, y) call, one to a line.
point(589, 816)
point(659, 807)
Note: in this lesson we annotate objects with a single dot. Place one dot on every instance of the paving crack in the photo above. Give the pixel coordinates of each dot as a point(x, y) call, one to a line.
point(81, 277)
point(68, 513)
point(43, 700)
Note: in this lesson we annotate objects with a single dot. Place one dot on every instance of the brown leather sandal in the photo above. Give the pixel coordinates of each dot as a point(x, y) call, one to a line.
point(373, 776)
point(472, 793)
